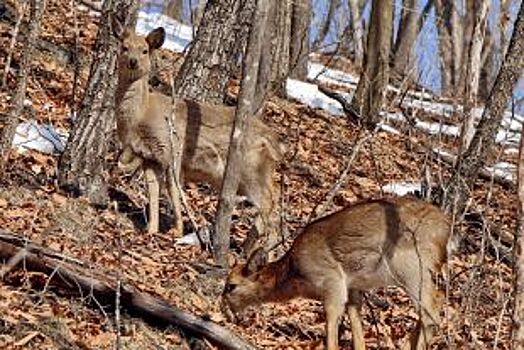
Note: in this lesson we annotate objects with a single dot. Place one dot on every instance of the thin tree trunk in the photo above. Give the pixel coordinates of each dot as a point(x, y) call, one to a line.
point(358, 31)
point(518, 260)
point(245, 109)
point(444, 9)
point(469, 164)
point(215, 52)
point(370, 95)
point(281, 48)
point(473, 73)
point(299, 50)
point(11, 122)
point(82, 163)
point(405, 44)
point(333, 7)
point(175, 9)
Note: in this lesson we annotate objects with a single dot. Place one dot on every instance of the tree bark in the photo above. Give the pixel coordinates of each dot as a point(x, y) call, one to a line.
point(371, 90)
point(333, 7)
point(518, 260)
point(443, 10)
point(82, 163)
point(280, 64)
point(470, 162)
point(216, 50)
point(175, 10)
point(405, 44)
point(244, 110)
point(299, 49)
point(358, 31)
point(473, 72)
point(11, 122)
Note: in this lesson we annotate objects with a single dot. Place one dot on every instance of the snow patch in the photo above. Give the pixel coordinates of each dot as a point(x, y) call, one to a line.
point(504, 170)
point(402, 188)
point(321, 73)
point(309, 94)
point(40, 137)
point(178, 35)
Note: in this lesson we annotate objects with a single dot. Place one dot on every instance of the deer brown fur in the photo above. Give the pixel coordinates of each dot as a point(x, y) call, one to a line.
point(199, 149)
point(400, 242)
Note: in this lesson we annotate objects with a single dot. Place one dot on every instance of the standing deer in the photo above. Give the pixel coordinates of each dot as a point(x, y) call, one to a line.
point(198, 151)
point(372, 244)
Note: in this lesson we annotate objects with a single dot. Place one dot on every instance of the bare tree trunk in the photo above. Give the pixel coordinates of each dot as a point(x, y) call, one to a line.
point(81, 165)
point(405, 44)
point(333, 7)
point(299, 50)
point(358, 31)
point(371, 90)
point(215, 52)
point(518, 260)
point(444, 9)
point(469, 163)
point(473, 72)
point(175, 9)
point(281, 64)
point(11, 122)
point(245, 109)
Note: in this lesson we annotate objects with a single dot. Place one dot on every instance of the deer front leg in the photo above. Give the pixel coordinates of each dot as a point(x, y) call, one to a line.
point(176, 203)
point(334, 304)
point(355, 301)
point(154, 194)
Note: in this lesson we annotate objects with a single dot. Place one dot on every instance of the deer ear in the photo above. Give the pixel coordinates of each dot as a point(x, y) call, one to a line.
point(256, 260)
point(156, 38)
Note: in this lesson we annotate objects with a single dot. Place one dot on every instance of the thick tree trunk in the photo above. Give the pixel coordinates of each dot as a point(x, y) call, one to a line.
point(370, 95)
point(299, 49)
point(518, 260)
point(405, 44)
point(358, 31)
point(11, 122)
point(470, 162)
point(82, 163)
point(245, 109)
point(216, 50)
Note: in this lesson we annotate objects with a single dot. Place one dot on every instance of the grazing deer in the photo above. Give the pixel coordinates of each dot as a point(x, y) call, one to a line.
point(376, 243)
point(198, 150)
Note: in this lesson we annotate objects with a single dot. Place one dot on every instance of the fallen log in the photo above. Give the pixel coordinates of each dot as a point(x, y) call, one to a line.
point(75, 280)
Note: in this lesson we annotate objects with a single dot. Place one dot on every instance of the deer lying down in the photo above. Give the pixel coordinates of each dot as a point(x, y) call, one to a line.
point(372, 244)
point(199, 149)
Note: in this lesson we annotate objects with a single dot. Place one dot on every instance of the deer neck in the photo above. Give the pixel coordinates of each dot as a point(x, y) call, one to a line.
point(132, 100)
point(284, 281)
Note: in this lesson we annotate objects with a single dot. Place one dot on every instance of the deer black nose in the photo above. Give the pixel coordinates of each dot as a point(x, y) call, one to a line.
point(133, 63)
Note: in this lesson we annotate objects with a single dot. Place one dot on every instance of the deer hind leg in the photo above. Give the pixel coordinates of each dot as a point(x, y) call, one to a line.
point(176, 203)
point(354, 303)
point(153, 185)
point(428, 301)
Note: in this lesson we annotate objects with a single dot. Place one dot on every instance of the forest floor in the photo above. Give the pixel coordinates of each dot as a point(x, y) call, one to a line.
point(113, 241)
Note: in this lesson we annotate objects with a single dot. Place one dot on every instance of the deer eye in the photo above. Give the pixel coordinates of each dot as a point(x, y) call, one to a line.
point(229, 288)
point(145, 52)
point(125, 49)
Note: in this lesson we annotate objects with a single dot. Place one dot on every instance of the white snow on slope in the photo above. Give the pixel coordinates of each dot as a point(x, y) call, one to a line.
point(40, 137)
point(309, 94)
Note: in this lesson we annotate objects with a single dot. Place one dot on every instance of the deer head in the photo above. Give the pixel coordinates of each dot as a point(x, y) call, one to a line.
point(134, 61)
point(249, 283)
